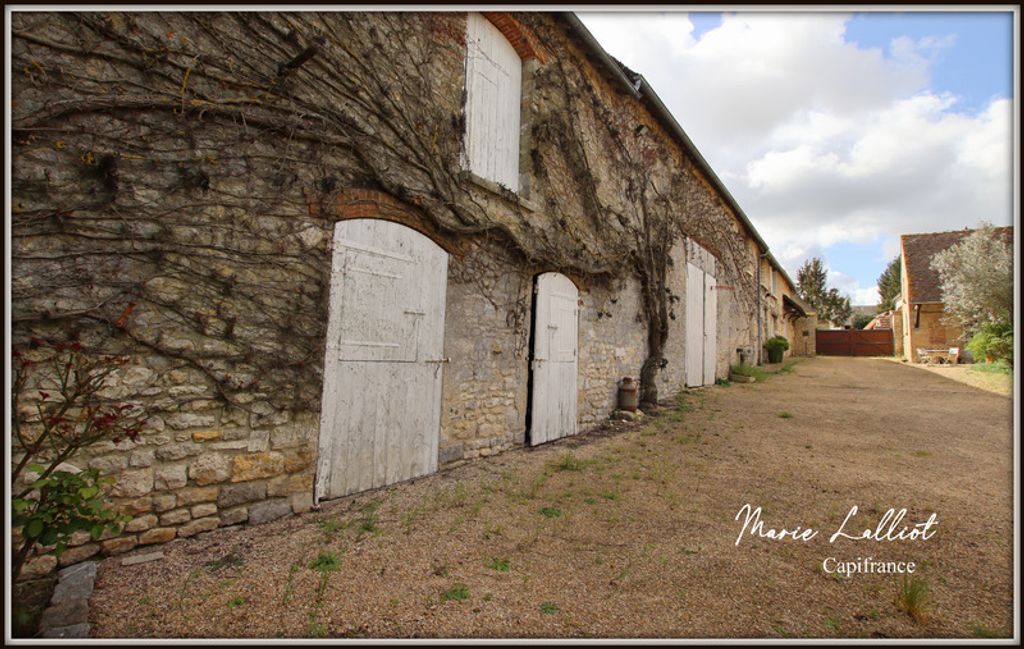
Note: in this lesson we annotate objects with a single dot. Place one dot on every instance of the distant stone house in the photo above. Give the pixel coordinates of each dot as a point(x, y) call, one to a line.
point(919, 324)
point(359, 246)
point(784, 312)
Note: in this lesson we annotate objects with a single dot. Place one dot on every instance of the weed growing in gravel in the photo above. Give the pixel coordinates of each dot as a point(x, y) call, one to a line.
point(781, 630)
point(409, 519)
point(500, 565)
point(326, 562)
point(687, 438)
point(833, 623)
point(550, 512)
point(537, 484)
point(367, 523)
point(785, 414)
point(235, 602)
point(921, 453)
point(329, 525)
point(192, 574)
point(458, 593)
point(230, 560)
point(749, 370)
point(289, 588)
point(609, 494)
point(488, 597)
point(568, 462)
point(912, 597)
point(548, 608)
point(981, 631)
point(493, 531)
point(590, 501)
point(787, 368)
point(457, 497)
point(316, 628)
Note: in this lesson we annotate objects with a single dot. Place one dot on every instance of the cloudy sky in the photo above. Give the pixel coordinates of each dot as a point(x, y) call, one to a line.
point(836, 132)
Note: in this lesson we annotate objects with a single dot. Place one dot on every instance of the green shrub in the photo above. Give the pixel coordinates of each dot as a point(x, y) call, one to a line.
point(993, 339)
point(776, 345)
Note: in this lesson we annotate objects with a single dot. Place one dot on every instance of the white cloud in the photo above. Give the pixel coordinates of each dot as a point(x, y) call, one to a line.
point(820, 140)
point(848, 286)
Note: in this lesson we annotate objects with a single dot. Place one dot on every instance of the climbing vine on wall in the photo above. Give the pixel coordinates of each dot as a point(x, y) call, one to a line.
point(186, 163)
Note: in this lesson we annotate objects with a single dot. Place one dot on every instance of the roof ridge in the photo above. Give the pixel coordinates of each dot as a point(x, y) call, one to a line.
point(959, 231)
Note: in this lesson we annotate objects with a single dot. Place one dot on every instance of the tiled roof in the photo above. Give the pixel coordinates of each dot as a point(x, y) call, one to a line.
point(918, 251)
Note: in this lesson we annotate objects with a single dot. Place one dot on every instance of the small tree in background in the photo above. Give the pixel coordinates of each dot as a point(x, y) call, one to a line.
point(976, 277)
point(812, 280)
point(890, 285)
point(861, 320)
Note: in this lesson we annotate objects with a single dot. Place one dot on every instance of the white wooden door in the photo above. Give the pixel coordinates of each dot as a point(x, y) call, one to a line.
point(381, 409)
point(701, 327)
point(710, 329)
point(555, 359)
point(694, 358)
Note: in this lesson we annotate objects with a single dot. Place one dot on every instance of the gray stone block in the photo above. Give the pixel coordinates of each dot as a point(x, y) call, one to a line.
point(78, 586)
point(89, 568)
point(142, 558)
point(67, 613)
point(244, 492)
point(450, 453)
point(72, 631)
point(269, 510)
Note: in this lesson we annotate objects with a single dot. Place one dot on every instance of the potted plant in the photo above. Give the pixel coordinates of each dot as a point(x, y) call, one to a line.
point(776, 346)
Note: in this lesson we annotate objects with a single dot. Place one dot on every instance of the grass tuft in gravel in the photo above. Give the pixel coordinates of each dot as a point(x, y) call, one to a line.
point(551, 512)
point(458, 593)
point(326, 562)
point(500, 565)
point(232, 559)
point(549, 608)
point(912, 597)
point(981, 631)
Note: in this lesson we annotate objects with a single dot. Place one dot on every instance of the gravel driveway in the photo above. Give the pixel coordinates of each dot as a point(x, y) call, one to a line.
point(630, 531)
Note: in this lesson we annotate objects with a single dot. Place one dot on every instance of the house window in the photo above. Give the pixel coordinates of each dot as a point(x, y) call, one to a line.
point(774, 287)
point(494, 75)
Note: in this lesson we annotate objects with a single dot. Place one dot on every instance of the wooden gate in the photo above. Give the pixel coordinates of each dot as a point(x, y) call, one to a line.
point(381, 409)
point(554, 364)
point(854, 342)
point(701, 327)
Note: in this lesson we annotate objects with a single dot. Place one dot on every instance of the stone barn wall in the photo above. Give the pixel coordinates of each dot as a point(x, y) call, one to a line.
point(174, 201)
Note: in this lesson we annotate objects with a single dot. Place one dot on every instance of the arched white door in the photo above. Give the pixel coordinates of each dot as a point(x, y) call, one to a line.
point(555, 359)
point(381, 409)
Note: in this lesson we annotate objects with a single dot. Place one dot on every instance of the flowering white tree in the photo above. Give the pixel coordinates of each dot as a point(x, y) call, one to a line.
point(976, 277)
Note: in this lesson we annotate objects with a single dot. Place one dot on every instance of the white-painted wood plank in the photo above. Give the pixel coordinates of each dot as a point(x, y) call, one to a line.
point(694, 359)
point(710, 329)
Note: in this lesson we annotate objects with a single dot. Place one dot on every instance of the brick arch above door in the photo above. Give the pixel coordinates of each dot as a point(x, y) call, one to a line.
point(355, 203)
